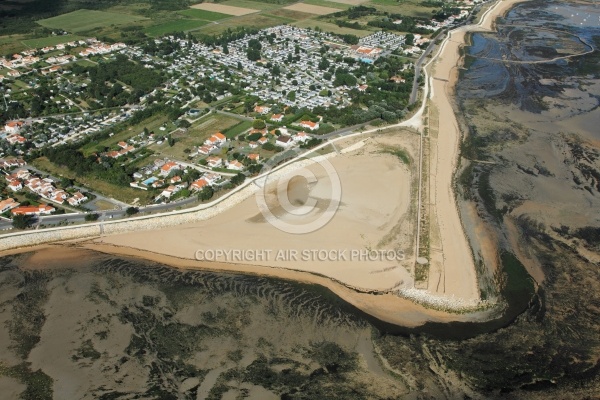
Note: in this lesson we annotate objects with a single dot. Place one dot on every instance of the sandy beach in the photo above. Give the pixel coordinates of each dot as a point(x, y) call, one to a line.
point(452, 270)
point(376, 214)
point(338, 250)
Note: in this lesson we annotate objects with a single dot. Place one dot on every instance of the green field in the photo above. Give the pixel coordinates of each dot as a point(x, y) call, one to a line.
point(195, 136)
point(50, 41)
point(85, 20)
point(86, 63)
point(181, 25)
point(331, 4)
point(237, 129)
point(258, 21)
point(152, 123)
point(11, 44)
point(411, 8)
point(255, 5)
point(203, 14)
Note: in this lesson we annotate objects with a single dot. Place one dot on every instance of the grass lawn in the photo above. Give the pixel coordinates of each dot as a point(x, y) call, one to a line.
point(50, 41)
point(195, 136)
point(21, 85)
point(181, 25)
point(103, 205)
point(85, 20)
point(203, 14)
point(237, 129)
point(126, 194)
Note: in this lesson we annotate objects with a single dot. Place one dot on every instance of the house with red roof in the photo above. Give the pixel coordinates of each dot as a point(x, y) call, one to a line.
point(13, 126)
point(8, 204)
point(214, 161)
point(309, 125)
point(198, 184)
point(33, 210)
point(168, 167)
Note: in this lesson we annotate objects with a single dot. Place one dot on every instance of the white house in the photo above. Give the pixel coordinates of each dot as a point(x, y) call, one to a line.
point(277, 117)
point(313, 126)
point(15, 185)
point(284, 141)
point(235, 165)
point(77, 199)
point(8, 204)
point(13, 126)
point(214, 162)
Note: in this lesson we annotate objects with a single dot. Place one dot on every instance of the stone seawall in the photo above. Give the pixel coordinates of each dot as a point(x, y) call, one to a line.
point(175, 218)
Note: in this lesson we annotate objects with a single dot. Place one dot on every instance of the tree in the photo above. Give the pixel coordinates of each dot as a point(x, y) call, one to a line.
point(225, 49)
point(323, 64)
point(183, 123)
point(66, 182)
point(132, 211)
point(92, 217)
point(254, 137)
point(206, 193)
point(22, 221)
point(410, 39)
point(291, 95)
point(259, 124)
point(238, 179)
point(253, 54)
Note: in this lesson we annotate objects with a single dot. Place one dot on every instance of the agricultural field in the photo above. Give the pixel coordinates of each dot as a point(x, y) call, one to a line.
point(50, 41)
point(349, 3)
point(254, 5)
point(11, 44)
point(224, 9)
point(237, 129)
point(411, 8)
point(312, 9)
point(294, 15)
point(85, 20)
point(331, 4)
point(258, 21)
point(176, 26)
point(204, 14)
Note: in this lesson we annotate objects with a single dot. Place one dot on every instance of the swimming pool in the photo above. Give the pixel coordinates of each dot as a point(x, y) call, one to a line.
point(150, 180)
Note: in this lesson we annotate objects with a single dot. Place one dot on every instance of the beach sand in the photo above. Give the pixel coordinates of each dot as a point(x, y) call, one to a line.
point(453, 268)
point(377, 221)
point(374, 214)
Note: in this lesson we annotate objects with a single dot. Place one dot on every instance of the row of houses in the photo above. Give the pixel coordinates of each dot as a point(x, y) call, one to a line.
point(45, 188)
point(15, 208)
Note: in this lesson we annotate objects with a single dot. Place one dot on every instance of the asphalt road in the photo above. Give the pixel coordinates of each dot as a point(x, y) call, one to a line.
point(104, 215)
